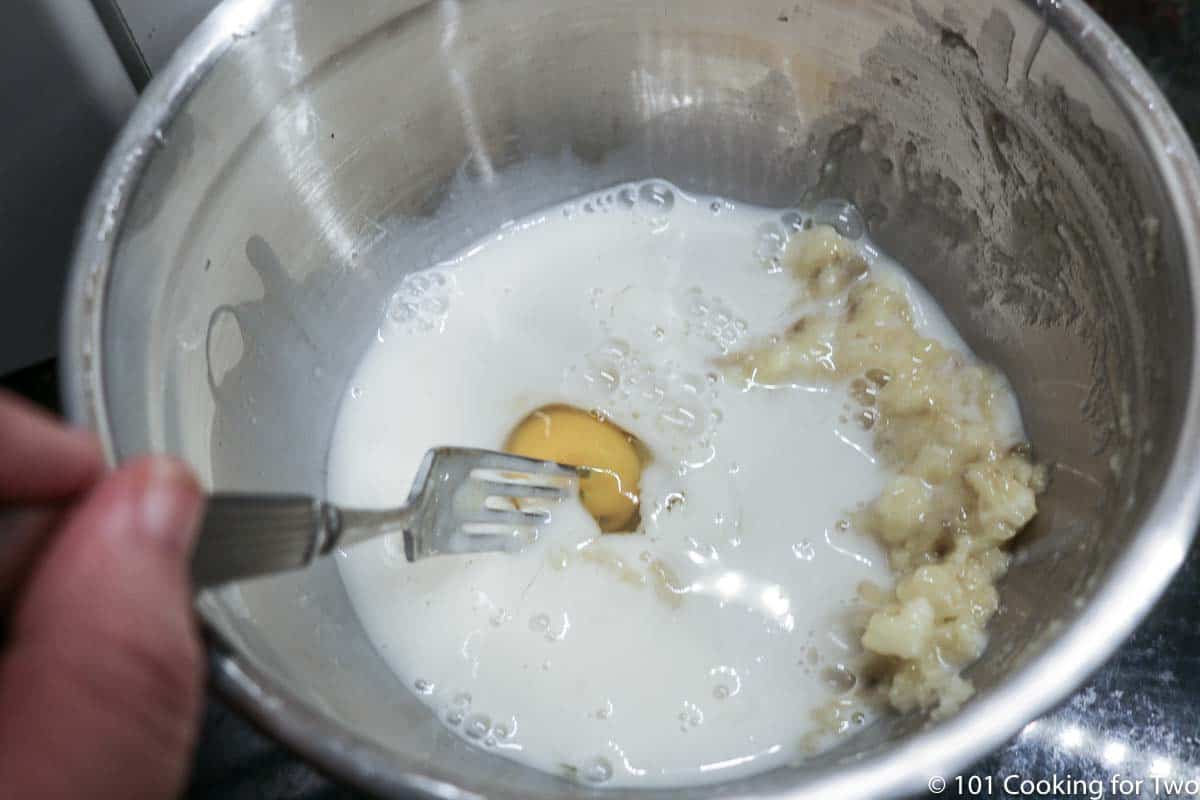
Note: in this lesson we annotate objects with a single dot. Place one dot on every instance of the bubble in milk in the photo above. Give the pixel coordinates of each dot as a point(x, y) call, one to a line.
point(559, 632)
point(690, 717)
point(421, 302)
point(477, 726)
point(605, 379)
point(605, 711)
point(654, 394)
point(842, 216)
point(839, 677)
point(717, 322)
point(804, 550)
point(678, 418)
point(700, 453)
point(728, 682)
point(617, 348)
point(701, 550)
point(423, 686)
point(657, 196)
point(402, 311)
point(597, 770)
point(768, 250)
point(433, 305)
point(792, 221)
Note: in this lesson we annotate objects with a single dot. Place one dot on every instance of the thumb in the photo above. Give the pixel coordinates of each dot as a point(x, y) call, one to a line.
point(101, 679)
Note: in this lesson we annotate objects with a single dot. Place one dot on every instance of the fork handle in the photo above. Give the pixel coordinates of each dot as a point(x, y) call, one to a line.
point(241, 536)
point(245, 535)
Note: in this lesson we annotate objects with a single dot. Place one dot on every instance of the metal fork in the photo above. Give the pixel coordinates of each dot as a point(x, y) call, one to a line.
point(462, 501)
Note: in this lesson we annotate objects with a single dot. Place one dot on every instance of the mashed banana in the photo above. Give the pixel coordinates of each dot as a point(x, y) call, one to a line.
point(960, 491)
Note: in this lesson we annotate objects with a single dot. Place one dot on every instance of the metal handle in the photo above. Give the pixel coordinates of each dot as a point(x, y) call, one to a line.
point(241, 536)
point(244, 535)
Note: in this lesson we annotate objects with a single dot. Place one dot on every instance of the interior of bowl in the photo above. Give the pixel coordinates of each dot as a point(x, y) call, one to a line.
point(329, 151)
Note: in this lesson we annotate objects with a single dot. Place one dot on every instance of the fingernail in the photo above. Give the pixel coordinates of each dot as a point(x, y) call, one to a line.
point(170, 503)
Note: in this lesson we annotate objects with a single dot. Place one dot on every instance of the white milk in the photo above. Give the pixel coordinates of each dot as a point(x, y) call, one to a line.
point(620, 301)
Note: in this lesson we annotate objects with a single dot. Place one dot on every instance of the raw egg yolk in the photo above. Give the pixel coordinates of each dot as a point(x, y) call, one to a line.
point(611, 456)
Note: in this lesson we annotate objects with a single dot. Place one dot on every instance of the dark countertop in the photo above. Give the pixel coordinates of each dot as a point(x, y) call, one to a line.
point(1138, 717)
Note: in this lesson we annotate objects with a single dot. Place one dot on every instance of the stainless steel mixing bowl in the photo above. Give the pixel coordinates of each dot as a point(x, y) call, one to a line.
point(298, 156)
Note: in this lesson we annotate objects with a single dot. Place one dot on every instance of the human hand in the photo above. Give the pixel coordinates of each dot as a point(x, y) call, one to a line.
point(101, 666)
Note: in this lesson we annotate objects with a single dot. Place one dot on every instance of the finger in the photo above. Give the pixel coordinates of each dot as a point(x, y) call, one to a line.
point(41, 459)
point(23, 534)
point(100, 686)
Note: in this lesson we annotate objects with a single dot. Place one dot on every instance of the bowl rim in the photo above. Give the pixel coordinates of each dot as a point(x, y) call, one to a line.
point(1134, 584)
